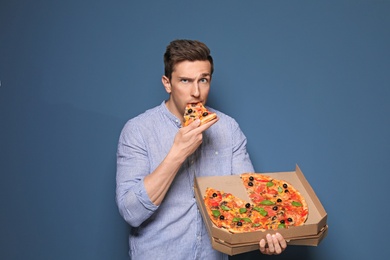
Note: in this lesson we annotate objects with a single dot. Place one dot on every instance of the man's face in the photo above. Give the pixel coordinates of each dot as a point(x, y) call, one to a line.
point(190, 83)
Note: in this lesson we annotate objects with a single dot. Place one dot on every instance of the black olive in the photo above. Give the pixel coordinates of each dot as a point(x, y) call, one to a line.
point(285, 186)
point(215, 194)
point(251, 178)
point(279, 200)
point(289, 220)
point(205, 114)
point(286, 191)
point(189, 111)
point(248, 205)
point(274, 217)
point(275, 208)
point(221, 217)
point(282, 221)
point(250, 183)
point(239, 223)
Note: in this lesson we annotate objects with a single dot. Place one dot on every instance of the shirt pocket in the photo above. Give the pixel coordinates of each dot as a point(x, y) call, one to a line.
point(215, 162)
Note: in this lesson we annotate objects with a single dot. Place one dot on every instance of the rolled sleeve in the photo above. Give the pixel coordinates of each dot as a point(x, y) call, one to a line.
point(141, 194)
point(132, 167)
point(135, 205)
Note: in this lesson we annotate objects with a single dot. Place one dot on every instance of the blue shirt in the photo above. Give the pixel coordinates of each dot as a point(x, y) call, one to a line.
point(174, 229)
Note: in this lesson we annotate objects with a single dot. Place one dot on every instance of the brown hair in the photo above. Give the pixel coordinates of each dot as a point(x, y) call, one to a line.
point(185, 50)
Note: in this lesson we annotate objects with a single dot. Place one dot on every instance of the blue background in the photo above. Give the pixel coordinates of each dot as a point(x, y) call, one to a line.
point(308, 81)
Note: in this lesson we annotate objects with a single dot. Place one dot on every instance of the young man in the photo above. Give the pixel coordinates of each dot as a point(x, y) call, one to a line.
point(158, 159)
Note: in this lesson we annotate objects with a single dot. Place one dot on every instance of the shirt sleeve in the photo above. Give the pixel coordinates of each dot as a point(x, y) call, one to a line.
point(241, 161)
point(132, 166)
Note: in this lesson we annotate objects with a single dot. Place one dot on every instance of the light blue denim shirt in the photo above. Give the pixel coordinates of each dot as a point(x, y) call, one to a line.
point(175, 229)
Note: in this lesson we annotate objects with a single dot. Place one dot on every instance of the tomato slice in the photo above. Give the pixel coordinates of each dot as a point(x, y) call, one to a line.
point(214, 203)
point(272, 191)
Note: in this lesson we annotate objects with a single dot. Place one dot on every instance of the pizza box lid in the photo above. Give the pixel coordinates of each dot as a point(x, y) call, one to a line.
point(316, 221)
point(235, 249)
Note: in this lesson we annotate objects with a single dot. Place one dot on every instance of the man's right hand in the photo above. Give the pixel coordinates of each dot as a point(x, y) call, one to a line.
point(189, 138)
point(186, 141)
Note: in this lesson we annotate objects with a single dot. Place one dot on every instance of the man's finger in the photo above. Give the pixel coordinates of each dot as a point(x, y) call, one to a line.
point(270, 244)
point(277, 248)
point(207, 125)
point(262, 244)
point(282, 241)
point(198, 127)
point(193, 125)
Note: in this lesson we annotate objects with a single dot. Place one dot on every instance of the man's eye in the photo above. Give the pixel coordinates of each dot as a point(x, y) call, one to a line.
point(204, 80)
point(184, 80)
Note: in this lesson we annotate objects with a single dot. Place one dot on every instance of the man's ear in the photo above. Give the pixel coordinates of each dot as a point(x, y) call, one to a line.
point(167, 84)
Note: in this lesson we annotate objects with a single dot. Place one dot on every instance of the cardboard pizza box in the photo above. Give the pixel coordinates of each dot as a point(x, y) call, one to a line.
point(311, 233)
point(234, 249)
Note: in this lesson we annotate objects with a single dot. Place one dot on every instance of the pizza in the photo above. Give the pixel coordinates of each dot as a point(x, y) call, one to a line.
point(274, 204)
point(197, 110)
point(229, 212)
point(288, 204)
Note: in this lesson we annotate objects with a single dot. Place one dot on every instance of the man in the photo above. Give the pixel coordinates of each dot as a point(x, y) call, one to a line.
point(158, 159)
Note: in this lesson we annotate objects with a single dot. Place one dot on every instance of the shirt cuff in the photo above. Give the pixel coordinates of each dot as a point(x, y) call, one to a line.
point(143, 197)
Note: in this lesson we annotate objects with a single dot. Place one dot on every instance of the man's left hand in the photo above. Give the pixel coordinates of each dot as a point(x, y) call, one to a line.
point(273, 244)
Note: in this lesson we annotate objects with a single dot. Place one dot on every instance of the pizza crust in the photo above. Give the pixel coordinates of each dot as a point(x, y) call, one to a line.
point(208, 118)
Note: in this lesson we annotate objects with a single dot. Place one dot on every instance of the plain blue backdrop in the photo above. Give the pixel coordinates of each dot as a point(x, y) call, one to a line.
point(308, 81)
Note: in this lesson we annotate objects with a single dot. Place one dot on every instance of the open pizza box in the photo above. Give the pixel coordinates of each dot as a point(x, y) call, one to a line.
point(309, 234)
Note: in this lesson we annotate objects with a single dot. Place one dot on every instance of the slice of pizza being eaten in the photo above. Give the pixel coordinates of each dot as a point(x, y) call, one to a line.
point(194, 111)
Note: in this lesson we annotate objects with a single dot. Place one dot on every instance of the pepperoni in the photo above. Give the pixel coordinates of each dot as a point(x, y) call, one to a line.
point(260, 188)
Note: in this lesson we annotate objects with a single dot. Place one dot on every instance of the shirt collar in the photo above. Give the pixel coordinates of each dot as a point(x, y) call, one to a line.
point(171, 116)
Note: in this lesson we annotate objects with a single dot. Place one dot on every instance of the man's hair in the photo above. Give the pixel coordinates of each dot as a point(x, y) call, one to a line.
point(185, 50)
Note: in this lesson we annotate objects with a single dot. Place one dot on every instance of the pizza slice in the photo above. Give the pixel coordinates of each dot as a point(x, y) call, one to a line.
point(284, 204)
point(232, 213)
point(194, 111)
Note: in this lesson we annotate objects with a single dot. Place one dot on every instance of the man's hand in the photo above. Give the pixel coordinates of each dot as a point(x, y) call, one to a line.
point(186, 141)
point(188, 138)
point(273, 245)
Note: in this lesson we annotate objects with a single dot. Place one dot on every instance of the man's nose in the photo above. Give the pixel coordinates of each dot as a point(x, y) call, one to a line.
point(195, 90)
